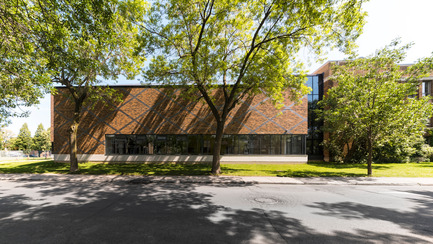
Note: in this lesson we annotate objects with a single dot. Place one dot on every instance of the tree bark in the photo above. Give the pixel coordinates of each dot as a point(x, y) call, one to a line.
point(74, 148)
point(370, 153)
point(216, 165)
point(79, 98)
point(74, 134)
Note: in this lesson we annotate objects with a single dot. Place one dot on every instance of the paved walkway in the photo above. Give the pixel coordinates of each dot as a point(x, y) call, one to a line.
point(222, 179)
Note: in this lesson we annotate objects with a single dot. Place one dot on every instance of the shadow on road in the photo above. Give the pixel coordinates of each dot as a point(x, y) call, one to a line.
point(55, 212)
point(418, 220)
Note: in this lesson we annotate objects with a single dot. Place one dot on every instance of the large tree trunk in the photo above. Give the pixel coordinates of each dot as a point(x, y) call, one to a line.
point(74, 134)
point(370, 153)
point(74, 129)
point(216, 166)
point(74, 148)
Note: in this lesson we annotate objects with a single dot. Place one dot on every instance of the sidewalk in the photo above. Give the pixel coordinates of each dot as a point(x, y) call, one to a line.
point(221, 179)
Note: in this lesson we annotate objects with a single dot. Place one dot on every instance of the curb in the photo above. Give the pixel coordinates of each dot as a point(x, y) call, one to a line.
point(229, 180)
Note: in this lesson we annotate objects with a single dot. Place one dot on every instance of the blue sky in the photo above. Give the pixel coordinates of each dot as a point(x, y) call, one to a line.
point(387, 20)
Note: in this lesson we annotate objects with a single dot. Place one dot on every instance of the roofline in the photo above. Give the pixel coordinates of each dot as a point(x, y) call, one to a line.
point(335, 61)
point(321, 66)
point(144, 86)
point(124, 86)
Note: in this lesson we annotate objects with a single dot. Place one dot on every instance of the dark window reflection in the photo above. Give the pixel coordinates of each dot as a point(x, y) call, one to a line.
point(204, 144)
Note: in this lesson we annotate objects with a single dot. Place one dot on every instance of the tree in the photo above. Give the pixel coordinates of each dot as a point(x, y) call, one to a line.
point(41, 140)
point(373, 104)
point(242, 48)
point(2, 141)
point(11, 145)
point(23, 77)
point(23, 141)
point(46, 147)
point(5, 137)
point(84, 41)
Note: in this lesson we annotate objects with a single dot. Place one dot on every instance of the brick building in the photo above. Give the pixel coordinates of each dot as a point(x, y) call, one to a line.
point(153, 125)
point(325, 83)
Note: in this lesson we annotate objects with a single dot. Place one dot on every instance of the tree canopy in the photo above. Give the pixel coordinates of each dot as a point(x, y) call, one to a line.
point(374, 104)
point(5, 137)
point(83, 42)
point(243, 47)
point(23, 76)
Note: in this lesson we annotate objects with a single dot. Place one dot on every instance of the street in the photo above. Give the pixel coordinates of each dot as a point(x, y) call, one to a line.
point(83, 212)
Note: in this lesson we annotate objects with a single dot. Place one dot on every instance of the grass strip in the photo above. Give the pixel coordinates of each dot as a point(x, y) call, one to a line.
point(320, 169)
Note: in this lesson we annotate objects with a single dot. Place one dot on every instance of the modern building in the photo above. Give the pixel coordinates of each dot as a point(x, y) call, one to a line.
point(324, 84)
point(154, 124)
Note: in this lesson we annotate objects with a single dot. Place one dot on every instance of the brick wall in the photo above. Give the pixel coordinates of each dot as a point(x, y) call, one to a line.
point(153, 110)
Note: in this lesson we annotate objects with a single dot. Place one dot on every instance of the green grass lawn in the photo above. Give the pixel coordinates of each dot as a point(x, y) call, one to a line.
point(285, 170)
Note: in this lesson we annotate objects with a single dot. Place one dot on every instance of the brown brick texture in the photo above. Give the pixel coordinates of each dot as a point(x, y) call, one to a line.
point(159, 110)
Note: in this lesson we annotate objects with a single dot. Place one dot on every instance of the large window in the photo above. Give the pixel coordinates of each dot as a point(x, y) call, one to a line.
point(204, 144)
point(426, 88)
point(315, 135)
point(129, 144)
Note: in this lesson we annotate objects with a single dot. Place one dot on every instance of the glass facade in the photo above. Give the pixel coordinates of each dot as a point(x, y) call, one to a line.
point(203, 144)
point(315, 135)
point(426, 88)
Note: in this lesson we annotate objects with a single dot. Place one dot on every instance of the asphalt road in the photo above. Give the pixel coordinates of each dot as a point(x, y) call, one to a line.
point(83, 212)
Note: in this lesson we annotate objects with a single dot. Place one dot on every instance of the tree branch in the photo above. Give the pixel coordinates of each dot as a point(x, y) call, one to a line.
point(208, 100)
point(252, 48)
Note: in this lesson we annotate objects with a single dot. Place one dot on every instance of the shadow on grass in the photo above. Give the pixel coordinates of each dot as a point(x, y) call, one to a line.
point(106, 169)
point(34, 168)
point(312, 169)
point(146, 169)
point(310, 173)
point(249, 172)
point(424, 165)
point(347, 166)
